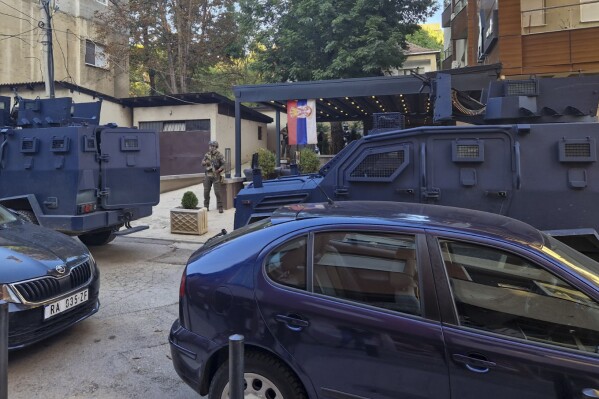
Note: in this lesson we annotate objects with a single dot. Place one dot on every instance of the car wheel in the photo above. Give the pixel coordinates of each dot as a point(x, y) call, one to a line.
point(27, 215)
point(99, 238)
point(265, 378)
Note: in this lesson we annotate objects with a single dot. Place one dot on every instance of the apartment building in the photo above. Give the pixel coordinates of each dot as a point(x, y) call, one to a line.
point(529, 37)
point(79, 56)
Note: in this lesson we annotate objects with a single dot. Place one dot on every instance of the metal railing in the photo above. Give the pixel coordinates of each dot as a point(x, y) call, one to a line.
point(554, 17)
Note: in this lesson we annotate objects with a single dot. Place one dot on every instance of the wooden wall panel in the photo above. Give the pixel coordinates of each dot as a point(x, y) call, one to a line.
point(510, 51)
point(584, 45)
point(509, 18)
point(473, 33)
point(546, 49)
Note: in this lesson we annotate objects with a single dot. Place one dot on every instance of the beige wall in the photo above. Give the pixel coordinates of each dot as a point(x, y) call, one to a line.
point(222, 127)
point(175, 113)
point(225, 134)
point(111, 112)
point(23, 59)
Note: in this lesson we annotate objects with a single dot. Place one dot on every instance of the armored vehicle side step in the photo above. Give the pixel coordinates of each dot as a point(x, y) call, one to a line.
point(130, 230)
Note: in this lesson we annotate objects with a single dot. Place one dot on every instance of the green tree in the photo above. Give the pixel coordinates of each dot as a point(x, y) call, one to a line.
point(304, 40)
point(327, 39)
point(424, 39)
point(170, 39)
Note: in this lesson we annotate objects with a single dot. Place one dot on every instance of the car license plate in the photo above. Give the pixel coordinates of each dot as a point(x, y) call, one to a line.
point(65, 304)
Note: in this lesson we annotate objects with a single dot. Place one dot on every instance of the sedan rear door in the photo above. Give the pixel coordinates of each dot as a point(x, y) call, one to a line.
point(353, 309)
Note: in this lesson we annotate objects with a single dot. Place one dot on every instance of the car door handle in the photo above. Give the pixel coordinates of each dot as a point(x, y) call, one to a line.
point(474, 362)
point(590, 393)
point(293, 322)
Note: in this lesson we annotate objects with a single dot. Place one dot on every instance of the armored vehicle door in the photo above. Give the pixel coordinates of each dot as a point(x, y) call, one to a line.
point(380, 170)
point(130, 168)
point(470, 169)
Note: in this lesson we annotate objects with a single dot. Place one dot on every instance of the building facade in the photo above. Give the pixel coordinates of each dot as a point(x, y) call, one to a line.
point(79, 57)
point(529, 37)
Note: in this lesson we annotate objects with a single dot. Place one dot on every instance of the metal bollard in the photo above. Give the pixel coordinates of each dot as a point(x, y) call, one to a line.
point(3, 350)
point(236, 380)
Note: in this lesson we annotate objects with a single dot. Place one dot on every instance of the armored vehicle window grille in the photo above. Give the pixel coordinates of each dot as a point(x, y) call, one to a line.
point(46, 288)
point(468, 151)
point(29, 145)
point(59, 144)
point(577, 150)
point(382, 165)
point(521, 88)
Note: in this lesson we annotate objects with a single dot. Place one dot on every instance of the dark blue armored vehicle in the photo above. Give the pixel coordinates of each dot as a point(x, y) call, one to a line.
point(530, 152)
point(61, 169)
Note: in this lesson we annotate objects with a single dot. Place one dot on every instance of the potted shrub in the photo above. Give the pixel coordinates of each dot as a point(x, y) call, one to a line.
point(308, 161)
point(267, 162)
point(188, 218)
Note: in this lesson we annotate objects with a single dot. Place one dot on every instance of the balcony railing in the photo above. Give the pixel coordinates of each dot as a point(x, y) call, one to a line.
point(548, 16)
point(459, 5)
point(448, 52)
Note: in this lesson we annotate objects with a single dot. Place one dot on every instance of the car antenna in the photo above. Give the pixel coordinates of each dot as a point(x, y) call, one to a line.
point(329, 200)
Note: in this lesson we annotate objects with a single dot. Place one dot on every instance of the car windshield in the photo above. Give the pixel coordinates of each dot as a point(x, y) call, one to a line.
point(6, 216)
point(574, 259)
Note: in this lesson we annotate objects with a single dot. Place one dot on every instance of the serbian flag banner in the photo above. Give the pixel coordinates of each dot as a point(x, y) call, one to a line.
point(301, 122)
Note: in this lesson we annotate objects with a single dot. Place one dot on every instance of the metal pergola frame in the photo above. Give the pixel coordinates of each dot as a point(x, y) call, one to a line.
point(358, 98)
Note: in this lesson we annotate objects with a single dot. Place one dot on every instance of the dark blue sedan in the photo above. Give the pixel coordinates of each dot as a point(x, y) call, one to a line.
point(390, 300)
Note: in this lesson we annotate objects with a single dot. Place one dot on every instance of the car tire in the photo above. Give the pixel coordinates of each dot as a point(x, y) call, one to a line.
point(265, 377)
point(98, 238)
point(27, 215)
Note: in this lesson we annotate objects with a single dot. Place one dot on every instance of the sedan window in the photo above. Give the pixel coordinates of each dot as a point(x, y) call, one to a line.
point(501, 292)
point(286, 265)
point(373, 268)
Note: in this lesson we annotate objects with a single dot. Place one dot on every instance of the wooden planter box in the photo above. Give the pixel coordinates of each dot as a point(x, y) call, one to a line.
point(189, 221)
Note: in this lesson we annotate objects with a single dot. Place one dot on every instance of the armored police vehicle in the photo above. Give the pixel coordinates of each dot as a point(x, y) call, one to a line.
point(61, 169)
point(529, 152)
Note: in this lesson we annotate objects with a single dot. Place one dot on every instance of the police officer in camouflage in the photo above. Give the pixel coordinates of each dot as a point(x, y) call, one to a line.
point(214, 164)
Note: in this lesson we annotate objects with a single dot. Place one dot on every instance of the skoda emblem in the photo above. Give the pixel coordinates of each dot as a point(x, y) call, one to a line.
point(60, 269)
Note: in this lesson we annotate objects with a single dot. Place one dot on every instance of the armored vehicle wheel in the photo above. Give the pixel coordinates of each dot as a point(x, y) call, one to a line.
point(98, 238)
point(27, 215)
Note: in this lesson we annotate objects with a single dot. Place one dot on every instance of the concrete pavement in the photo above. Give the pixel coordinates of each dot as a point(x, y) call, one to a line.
point(159, 221)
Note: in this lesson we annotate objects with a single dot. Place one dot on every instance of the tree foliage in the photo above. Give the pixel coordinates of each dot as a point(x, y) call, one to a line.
point(423, 38)
point(169, 40)
point(327, 39)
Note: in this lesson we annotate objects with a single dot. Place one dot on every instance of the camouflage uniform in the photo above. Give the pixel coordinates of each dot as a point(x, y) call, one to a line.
point(214, 163)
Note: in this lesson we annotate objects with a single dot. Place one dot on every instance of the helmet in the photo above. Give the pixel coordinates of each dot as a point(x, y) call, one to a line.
point(213, 143)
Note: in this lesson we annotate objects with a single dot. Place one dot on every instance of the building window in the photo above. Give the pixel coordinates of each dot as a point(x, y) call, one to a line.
point(173, 127)
point(177, 126)
point(589, 12)
point(533, 13)
point(95, 55)
point(259, 132)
